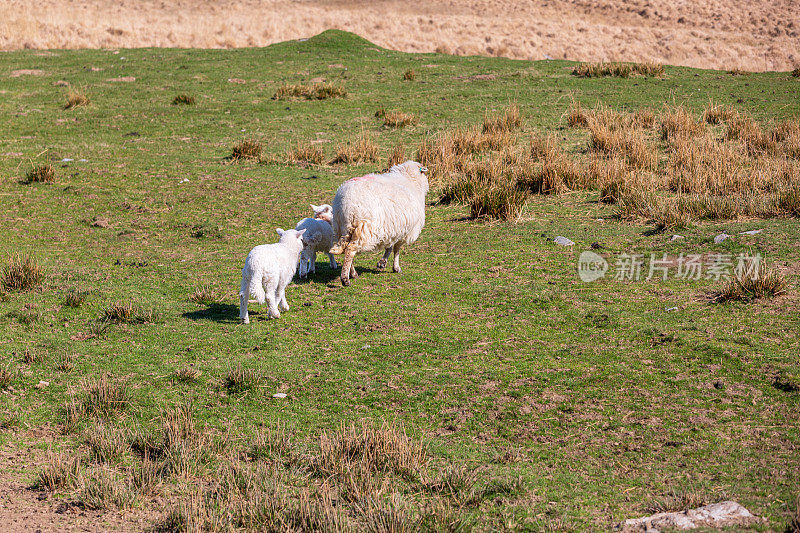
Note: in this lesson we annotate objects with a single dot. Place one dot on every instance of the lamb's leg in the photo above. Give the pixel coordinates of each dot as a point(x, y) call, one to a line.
point(348, 270)
point(281, 297)
point(243, 300)
point(332, 260)
point(272, 300)
point(382, 261)
point(396, 265)
point(313, 262)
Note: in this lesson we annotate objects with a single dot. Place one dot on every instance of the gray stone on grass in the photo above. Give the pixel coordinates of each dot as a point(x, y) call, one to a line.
point(721, 237)
point(563, 241)
point(715, 515)
point(751, 232)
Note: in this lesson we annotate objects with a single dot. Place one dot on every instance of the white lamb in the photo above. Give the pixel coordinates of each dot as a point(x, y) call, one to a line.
point(270, 266)
point(379, 211)
point(318, 237)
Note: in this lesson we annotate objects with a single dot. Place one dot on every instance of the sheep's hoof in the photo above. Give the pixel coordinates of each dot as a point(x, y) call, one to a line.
point(381, 264)
point(345, 281)
point(245, 320)
point(397, 269)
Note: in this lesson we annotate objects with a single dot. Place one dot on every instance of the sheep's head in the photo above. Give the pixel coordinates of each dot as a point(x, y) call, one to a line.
point(415, 172)
point(323, 212)
point(290, 235)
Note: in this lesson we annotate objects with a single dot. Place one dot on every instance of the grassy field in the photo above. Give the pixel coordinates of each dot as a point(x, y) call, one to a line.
point(515, 396)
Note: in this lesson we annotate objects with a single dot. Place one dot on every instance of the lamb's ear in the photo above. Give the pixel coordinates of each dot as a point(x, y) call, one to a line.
point(280, 231)
point(316, 208)
point(300, 233)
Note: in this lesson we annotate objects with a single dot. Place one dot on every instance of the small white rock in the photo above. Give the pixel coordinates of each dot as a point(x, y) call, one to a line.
point(279, 395)
point(66, 160)
point(676, 237)
point(721, 237)
point(751, 232)
point(42, 384)
point(668, 309)
point(563, 241)
point(184, 180)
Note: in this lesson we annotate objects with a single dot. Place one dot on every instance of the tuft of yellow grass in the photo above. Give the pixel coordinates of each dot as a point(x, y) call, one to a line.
point(409, 75)
point(306, 153)
point(504, 121)
point(41, 174)
point(397, 155)
point(619, 70)
point(752, 283)
point(399, 119)
point(360, 150)
point(316, 91)
point(21, 274)
point(76, 98)
point(246, 149)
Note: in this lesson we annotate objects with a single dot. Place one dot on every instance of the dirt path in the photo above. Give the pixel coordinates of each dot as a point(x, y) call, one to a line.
point(26, 510)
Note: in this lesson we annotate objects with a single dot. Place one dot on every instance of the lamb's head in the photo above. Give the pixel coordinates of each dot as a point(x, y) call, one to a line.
point(291, 236)
point(323, 212)
point(415, 172)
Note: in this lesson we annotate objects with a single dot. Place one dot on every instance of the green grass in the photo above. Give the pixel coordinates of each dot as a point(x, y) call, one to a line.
point(486, 347)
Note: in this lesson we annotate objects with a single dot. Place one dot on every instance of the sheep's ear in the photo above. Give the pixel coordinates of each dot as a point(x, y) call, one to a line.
point(300, 233)
point(314, 208)
point(280, 231)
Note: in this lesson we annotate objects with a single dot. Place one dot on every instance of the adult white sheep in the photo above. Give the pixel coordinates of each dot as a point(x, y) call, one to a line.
point(318, 237)
point(270, 267)
point(379, 211)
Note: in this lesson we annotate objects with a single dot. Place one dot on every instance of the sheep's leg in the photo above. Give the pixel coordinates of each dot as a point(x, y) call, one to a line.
point(396, 265)
point(348, 270)
point(272, 301)
point(382, 261)
point(243, 300)
point(281, 297)
point(332, 260)
point(313, 262)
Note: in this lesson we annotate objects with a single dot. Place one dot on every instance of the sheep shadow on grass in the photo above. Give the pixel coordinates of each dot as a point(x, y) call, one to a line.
point(325, 274)
point(226, 313)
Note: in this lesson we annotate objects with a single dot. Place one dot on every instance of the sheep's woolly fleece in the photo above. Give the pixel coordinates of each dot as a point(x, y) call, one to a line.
point(377, 211)
point(267, 271)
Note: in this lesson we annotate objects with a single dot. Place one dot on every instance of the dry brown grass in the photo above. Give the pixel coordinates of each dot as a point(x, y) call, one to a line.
point(41, 174)
point(206, 295)
point(306, 153)
point(75, 298)
point(397, 155)
point(184, 99)
point(506, 120)
point(126, 312)
point(76, 98)
point(577, 116)
point(59, 472)
point(623, 142)
point(619, 70)
point(409, 75)
point(21, 274)
point(360, 150)
point(399, 119)
point(752, 283)
point(316, 91)
point(718, 114)
point(246, 149)
point(737, 72)
point(677, 123)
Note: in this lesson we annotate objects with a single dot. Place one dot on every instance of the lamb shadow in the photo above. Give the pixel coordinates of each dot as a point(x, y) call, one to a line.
point(225, 313)
point(325, 275)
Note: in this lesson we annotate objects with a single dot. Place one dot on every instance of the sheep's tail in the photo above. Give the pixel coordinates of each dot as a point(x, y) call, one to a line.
point(252, 286)
point(353, 236)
